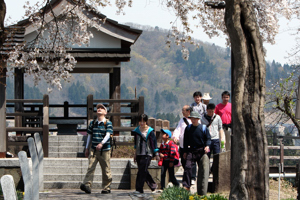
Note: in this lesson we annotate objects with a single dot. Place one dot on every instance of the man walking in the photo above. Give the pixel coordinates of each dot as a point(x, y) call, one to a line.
point(224, 111)
point(178, 136)
point(99, 132)
point(213, 123)
point(196, 145)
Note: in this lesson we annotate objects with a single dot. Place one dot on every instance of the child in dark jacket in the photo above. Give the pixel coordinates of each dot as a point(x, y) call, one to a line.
point(167, 152)
point(146, 147)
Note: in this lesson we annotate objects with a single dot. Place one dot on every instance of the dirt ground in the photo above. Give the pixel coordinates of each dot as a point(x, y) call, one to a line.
point(287, 191)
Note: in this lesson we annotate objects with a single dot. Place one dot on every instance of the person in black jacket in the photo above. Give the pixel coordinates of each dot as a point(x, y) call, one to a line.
point(146, 147)
point(196, 144)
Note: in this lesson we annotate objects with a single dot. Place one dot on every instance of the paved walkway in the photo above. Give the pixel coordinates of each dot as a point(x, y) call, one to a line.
point(73, 194)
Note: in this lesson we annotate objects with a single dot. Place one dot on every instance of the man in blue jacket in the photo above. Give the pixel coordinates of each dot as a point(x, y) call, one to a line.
point(196, 144)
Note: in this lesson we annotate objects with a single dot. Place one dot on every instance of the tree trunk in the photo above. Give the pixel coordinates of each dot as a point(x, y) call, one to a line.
point(2, 16)
point(249, 162)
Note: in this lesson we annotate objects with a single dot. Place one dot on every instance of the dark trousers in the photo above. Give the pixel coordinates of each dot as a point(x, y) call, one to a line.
point(164, 168)
point(143, 174)
point(214, 147)
point(191, 160)
point(183, 161)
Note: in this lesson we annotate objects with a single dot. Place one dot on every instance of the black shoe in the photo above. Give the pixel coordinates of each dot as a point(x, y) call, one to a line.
point(105, 191)
point(85, 189)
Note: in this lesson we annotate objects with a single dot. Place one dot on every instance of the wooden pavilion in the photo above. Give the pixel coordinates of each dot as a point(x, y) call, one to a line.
point(110, 46)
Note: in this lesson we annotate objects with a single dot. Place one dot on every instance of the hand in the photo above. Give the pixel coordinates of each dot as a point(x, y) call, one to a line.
point(175, 139)
point(134, 158)
point(157, 157)
point(86, 153)
point(171, 164)
point(206, 149)
point(161, 155)
point(99, 146)
point(184, 156)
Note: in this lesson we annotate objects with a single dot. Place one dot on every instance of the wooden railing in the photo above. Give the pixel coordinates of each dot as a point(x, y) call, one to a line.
point(39, 122)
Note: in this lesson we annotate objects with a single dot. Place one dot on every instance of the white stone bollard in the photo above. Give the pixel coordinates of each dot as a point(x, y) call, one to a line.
point(35, 168)
point(26, 175)
point(40, 153)
point(8, 187)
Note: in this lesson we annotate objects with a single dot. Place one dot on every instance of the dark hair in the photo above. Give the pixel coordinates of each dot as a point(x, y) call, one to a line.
point(226, 93)
point(189, 109)
point(211, 106)
point(143, 117)
point(198, 93)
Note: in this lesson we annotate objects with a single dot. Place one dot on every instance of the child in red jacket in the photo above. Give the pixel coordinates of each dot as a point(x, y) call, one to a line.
point(167, 153)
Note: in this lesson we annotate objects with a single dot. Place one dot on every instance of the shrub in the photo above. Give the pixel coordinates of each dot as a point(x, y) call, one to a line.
point(177, 193)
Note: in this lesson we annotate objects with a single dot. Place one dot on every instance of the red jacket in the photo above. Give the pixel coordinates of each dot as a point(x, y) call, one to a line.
point(169, 150)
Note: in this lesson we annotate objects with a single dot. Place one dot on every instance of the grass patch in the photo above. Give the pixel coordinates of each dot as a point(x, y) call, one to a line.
point(178, 193)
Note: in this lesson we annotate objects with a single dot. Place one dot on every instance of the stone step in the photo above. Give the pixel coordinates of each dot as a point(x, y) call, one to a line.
point(67, 143)
point(76, 185)
point(66, 155)
point(67, 138)
point(53, 149)
point(80, 177)
point(72, 162)
point(82, 170)
point(75, 138)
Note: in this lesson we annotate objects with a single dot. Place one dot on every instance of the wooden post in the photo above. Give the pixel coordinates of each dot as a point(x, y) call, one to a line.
point(19, 94)
point(66, 109)
point(281, 156)
point(3, 134)
point(298, 181)
point(45, 125)
point(141, 105)
point(90, 109)
point(115, 93)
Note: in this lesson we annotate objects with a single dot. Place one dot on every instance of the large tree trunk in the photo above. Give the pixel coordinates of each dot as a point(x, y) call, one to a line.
point(250, 161)
point(2, 16)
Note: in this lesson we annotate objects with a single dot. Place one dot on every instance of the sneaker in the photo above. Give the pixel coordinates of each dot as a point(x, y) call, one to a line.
point(85, 189)
point(105, 191)
point(193, 182)
point(136, 192)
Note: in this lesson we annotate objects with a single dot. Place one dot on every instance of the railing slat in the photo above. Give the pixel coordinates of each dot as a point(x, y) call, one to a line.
point(23, 114)
point(29, 129)
point(24, 101)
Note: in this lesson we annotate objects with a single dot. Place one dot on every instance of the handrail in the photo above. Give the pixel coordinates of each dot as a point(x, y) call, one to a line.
point(24, 101)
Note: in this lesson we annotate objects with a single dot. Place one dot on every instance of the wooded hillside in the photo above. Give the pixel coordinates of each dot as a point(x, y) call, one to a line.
point(159, 74)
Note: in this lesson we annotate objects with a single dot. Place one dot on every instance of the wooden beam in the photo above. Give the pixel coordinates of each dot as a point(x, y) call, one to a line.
point(115, 93)
point(25, 129)
point(19, 94)
point(3, 134)
point(45, 141)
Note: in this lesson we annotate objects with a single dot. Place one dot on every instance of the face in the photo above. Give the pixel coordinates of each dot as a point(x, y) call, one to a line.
point(225, 99)
point(101, 110)
point(205, 102)
point(185, 113)
point(210, 112)
point(195, 121)
point(142, 123)
point(165, 136)
point(197, 99)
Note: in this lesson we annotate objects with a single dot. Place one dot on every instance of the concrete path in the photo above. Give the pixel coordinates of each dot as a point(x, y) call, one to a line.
point(119, 194)
point(73, 194)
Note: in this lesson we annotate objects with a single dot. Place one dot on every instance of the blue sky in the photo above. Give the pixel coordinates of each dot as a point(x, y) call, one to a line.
point(150, 12)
